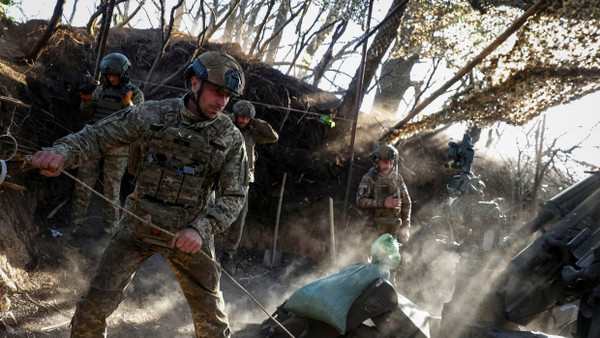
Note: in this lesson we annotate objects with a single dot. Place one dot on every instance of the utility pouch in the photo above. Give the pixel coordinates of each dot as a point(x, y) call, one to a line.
point(135, 158)
point(171, 218)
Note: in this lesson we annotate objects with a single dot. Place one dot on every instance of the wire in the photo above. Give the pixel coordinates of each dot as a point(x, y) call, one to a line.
point(267, 105)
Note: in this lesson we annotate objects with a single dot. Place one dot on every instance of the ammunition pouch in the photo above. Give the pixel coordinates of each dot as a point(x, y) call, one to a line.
point(170, 218)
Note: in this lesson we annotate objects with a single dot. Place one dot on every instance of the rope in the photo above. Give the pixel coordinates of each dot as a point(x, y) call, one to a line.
point(154, 226)
point(266, 105)
point(12, 142)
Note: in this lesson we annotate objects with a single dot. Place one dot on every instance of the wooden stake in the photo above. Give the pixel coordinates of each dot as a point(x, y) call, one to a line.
point(332, 232)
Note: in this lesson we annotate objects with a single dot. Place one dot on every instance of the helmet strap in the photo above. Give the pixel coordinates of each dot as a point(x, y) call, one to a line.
point(197, 99)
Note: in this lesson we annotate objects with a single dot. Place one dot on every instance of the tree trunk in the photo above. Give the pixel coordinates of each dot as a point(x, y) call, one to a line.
point(235, 22)
point(35, 52)
point(73, 12)
point(386, 34)
point(393, 83)
point(381, 43)
point(251, 27)
point(280, 20)
point(261, 28)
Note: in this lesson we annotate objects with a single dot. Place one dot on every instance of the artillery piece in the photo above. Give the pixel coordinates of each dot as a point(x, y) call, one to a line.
point(558, 262)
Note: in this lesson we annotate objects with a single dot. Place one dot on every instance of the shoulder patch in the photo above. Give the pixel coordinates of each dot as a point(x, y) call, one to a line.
point(362, 191)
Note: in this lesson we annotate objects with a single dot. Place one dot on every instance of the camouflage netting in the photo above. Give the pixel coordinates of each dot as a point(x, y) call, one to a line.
point(549, 61)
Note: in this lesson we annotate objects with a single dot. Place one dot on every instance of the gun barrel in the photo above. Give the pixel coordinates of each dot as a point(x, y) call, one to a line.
point(530, 282)
point(562, 204)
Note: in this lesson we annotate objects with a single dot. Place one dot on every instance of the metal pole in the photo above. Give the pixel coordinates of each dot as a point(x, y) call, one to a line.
point(332, 232)
point(107, 17)
point(277, 218)
point(357, 103)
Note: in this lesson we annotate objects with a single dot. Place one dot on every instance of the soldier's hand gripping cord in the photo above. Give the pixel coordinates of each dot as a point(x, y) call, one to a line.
point(49, 162)
point(86, 91)
point(392, 202)
point(187, 240)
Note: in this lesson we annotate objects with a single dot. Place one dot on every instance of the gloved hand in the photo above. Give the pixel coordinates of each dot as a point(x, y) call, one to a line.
point(127, 99)
point(86, 90)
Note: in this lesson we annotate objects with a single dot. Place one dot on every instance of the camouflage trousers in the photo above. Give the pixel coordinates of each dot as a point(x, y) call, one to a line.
point(113, 167)
point(197, 274)
point(233, 234)
point(387, 225)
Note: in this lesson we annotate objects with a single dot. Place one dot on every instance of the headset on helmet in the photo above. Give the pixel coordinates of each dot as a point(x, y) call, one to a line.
point(220, 69)
point(244, 108)
point(118, 64)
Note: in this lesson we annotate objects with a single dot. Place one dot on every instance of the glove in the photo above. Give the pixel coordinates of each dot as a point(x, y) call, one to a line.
point(86, 91)
point(127, 99)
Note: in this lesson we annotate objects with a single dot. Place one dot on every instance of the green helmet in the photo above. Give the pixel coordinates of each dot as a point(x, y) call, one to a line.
point(116, 63)
point(385, 152)
point(244, 108)
point(220, 69)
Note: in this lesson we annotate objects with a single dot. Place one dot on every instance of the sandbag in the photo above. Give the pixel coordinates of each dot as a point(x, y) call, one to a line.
point(329, 299)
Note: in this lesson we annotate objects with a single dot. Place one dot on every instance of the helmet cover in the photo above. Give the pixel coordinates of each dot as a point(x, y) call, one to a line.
point(244, 108)
point(385, 152)
point(114, 63)
point(220, 69)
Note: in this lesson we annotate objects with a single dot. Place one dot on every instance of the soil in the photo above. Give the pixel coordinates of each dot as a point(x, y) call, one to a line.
point(154, 304)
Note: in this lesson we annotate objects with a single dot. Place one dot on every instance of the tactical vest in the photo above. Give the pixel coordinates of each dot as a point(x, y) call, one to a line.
point(385, 186)
point(109, 101)
point(179, 166)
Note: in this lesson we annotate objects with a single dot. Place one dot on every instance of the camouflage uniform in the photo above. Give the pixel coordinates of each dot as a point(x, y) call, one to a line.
point(104, 101)
point(259, 132)
point(374, 188)
point(184, 158)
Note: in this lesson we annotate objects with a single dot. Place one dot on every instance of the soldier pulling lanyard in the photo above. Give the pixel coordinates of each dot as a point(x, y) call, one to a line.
point(154, 226)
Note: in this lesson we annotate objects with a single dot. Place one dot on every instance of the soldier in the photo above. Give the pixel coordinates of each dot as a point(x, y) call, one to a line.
point(255, 131)
point(115, 93)
point(382, 192)
point(189, 150)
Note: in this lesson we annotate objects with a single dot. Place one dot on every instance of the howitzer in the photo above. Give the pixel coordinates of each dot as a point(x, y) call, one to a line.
point(532, 281)
point(560, 205)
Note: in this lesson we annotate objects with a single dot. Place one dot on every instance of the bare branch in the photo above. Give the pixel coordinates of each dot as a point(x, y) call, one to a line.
point(132, 15)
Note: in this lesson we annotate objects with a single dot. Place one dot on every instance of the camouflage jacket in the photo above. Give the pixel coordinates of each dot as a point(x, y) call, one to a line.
point(226, 170)
point(374, 188)
point(259, 132)
point(106, 100)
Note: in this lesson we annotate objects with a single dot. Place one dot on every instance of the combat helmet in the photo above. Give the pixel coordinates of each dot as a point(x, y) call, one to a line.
point(244, 108)
point(220, 69)
point(116, 63)
point(385, 152)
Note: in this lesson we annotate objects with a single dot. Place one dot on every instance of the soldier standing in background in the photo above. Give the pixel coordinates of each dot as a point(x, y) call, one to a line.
point(383, 193)
point(188, 150)
point(255, 131)
point(116, 92)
